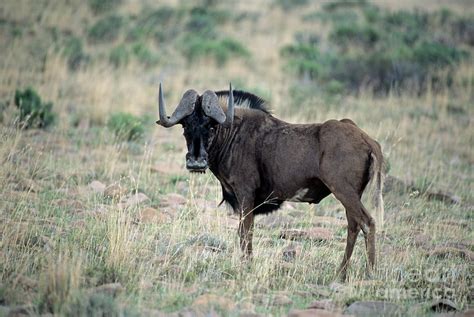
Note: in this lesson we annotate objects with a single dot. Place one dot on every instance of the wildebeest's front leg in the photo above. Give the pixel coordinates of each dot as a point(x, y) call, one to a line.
point(246, 232)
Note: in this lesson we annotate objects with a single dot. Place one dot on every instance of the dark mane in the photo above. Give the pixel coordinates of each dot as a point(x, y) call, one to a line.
point(245, 100)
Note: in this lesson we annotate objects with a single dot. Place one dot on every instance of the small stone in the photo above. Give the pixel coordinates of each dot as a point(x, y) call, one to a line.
point(443, 252)
point(97, 187)
point(373, 308)
point(112, 289)
point(173, 200)
point(274, 221)
point(20, 311)
point(281, 300)
point(325, 304)
point(135, 199)
point(70, 204)
point(114, 191)
point(314, 234)
point(443, 305)
point(323, 220)
point(152, 215)
point(291, 252)
point(313, 313)
point(211, 300)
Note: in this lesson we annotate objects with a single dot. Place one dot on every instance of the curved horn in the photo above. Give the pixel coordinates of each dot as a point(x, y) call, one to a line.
point(185, 108)
point(210, 105)
point(230, 108)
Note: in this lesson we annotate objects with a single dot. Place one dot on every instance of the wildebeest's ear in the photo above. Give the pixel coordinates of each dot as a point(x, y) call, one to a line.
point(210, 105)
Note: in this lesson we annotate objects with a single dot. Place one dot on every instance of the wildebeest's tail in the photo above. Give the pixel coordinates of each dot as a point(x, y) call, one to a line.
point(376, 180)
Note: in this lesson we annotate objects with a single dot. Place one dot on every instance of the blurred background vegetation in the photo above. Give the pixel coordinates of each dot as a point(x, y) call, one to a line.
point(102, 56)
point(78, 90)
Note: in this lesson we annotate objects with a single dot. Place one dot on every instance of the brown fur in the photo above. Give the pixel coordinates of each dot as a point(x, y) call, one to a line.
point(262, 161)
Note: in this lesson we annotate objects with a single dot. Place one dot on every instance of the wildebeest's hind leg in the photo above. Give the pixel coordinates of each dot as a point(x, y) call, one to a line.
point(352, 233)
point(357, 213)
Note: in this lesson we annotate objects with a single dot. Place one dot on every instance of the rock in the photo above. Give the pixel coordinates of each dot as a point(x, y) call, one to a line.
point(112, 289)
point(443, 252)
point(157, 313)
point(70, 204)
point(444, 197)
point(114, 191)
point(368, 283)
point(314, 234)
point(373, 308)
point(422, 241)
point(338, 287)
point(20, 311)
point(28, 185)
point(291, 252)
point(135, 200)
point(152, 215)
point(273, 221)
point(27, 282)
point(203, 205)
point(324, 304)
point(281, 300)
point(443, 305)
point(173, 200)
point(97, 187)
point(320, 290)
point(322, 220)
point(313, 313)
point(206, 301)
point(277, 299)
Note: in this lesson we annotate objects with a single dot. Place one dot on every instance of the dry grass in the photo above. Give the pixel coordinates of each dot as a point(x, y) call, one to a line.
point(59, 239)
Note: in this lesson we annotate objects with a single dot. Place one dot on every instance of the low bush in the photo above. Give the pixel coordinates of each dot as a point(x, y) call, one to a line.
point(144, 55)
point(147, 21)
point(74, 52)
point(119, 56)
point(220, 50)
point(106, 29)
point(379, 50)
point(291, 4)
point(126, 126)
point(33, 112)
point(102, 6)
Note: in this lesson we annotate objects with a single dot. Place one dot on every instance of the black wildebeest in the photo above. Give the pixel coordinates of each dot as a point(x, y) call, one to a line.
point(262, 161)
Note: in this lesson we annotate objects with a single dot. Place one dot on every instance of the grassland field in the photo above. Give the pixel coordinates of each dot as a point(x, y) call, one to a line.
point(99, 217)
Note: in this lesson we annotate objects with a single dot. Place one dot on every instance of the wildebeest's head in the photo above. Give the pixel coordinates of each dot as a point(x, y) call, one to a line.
point(199, 116)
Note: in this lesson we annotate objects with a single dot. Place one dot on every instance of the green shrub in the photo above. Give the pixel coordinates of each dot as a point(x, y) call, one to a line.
point(119, 56)
point(346, 34)
point(195, 48)
point(381, 50)
point(126, 126)
point(203, 21)
point(291, 4)
point(339, 4)
point(33, 112)
point(148, 20)
point(106, 29)
point(144, 55)
point(101, 6)
point(436, 54)
point(74, 52)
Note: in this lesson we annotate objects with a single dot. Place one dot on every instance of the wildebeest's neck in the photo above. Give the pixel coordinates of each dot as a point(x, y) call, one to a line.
point(241, 136)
